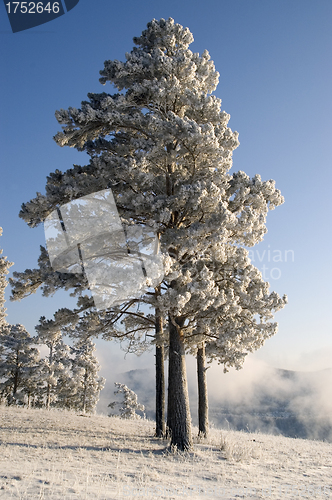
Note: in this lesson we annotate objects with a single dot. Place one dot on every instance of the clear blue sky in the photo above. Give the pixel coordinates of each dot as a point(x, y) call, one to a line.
point(275, 65)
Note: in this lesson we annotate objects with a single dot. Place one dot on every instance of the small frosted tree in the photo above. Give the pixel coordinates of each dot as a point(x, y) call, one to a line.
point(33, 387)
point(65, 389)
point(56, 365)
point(129, 405)
point(50, 337)
point(18, 359)
point(71, 372)
point(85, 368)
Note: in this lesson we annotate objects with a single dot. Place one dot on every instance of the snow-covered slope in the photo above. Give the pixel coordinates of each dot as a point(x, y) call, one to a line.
point(60, 455)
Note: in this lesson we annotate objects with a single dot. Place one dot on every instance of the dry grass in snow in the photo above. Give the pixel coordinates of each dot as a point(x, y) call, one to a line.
point(61, 455)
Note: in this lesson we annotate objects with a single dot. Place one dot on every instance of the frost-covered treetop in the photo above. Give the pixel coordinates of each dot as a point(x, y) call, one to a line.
point(163, 145)
point(162, 54)
point(166, 35)
point(167, 93)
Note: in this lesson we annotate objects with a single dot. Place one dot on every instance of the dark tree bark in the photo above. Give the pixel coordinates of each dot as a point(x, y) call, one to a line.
point(48, 393)
point(203, 407)
point(160, 378)
point(178, 411)
point(16, 373)
point(85, 388)
point(16, 378)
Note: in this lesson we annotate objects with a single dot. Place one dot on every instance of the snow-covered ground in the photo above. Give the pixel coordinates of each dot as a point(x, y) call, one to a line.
point(61, 455)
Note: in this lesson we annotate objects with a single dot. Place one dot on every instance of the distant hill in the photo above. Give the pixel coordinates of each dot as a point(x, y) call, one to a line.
point(294, 405)
point(283, 402)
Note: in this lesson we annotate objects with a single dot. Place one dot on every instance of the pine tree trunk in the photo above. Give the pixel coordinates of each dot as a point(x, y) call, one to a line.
point(85, 387)
point(178, 411)
point(16, 374)
point(48, 394)
point(15, 386)
point(160, 380)
point(203, 408)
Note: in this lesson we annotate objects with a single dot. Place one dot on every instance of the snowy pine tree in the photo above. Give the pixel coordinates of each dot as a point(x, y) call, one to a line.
point(70, 373)
point(65, 388)
point(33, 388)
point(163, 145)
point(129, 404)
point(85, 368)
point(51, 337)
point(59, 386)
point(18, 360)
